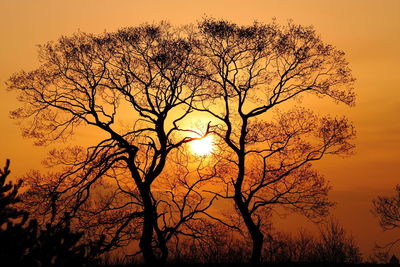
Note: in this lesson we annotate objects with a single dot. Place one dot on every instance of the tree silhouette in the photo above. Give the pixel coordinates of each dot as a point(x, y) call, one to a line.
point(11, 221)
point(9, 214)
point(58, 245)
point(387, 209)
point(151, 77)
point(140, 75)
point(335, 246)
point(252, 70)
point(25, 243)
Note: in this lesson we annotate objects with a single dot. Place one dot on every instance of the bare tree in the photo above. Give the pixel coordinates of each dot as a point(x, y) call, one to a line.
point(387, 209)
point(252, 70)
point(332, 245)
point(139, 75)
point(335, 245)
point(156, 75)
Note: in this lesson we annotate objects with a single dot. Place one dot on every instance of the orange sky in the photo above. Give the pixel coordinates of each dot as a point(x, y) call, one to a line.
point(368, 31)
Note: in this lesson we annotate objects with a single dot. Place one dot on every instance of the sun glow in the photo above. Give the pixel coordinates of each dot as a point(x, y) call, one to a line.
point(203, 146)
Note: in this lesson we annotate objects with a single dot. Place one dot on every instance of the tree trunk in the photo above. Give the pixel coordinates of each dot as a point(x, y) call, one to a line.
point(146, 239)
point(164, 251)
point(257, 236)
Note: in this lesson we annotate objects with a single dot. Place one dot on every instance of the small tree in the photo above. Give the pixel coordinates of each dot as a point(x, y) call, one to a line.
point(9, 214)
point(335, 246)
point(59, 245)
point(387, 209)
point(12, 220)
point(25, 243)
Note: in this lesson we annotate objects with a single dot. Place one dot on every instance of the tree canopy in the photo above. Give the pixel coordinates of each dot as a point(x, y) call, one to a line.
point(139, 85)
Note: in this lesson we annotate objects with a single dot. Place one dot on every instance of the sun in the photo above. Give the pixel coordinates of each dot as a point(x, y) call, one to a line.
point(203, 146)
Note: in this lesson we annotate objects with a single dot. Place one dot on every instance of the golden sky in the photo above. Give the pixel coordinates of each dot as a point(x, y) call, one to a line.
point(368, 31)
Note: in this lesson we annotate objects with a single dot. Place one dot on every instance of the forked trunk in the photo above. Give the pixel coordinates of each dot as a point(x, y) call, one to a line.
point(146, 240)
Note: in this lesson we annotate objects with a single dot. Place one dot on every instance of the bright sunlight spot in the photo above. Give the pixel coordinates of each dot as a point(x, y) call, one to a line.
point(203, 146)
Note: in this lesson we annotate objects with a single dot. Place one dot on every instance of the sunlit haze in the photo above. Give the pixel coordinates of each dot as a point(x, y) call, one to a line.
point(203, 146)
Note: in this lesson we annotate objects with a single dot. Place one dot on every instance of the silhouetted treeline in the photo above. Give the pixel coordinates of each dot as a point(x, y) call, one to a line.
point(331, 245)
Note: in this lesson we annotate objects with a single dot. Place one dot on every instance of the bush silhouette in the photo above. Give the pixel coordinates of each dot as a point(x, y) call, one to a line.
point(24, 243)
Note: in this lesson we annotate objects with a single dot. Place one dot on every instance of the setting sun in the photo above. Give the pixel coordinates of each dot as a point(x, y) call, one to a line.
point(202, 147)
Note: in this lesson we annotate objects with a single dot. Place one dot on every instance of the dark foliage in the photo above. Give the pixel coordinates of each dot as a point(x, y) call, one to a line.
point(13, 245)
point(24, 243)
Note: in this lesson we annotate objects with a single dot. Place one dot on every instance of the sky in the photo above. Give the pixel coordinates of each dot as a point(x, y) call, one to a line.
point(367, 31)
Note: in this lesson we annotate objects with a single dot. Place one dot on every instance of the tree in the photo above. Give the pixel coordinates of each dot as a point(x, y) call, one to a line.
point(252, 70)
point(387, 209)
point(9, 214)
point(158, 75)
point(59, 245)
point(140, 75)
point(11, 221)
point(55, 245)
point(335, 246)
